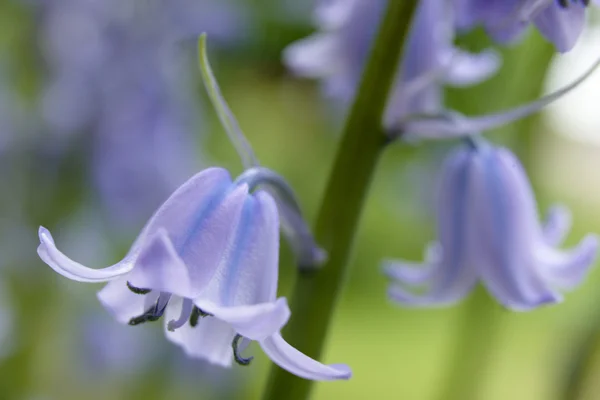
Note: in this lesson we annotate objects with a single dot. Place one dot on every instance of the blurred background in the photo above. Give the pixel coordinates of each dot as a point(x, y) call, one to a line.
point(102, 115)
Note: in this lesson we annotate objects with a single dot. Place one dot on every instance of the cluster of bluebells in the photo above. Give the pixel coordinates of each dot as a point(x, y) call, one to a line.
point(207, 260)
point(339, 52)
point(487, 218)
point(120, 73)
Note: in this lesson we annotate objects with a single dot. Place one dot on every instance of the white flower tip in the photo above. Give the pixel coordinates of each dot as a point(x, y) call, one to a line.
point(68, 268)
point(44, 235)
point(591, 242)
point(299, 364)
point(344, 371)
point(593, 239)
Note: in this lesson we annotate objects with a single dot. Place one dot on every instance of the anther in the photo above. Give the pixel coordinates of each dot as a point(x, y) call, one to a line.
point(152, 314)
point(236, 352)
point(563, 3)
point(137, 290)
point(197, 313)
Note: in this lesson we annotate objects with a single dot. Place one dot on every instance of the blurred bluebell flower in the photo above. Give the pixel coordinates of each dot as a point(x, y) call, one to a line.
point(559, 21)
point(488, 231)
point(122, 73)
point(208, 260)
point(339, 52)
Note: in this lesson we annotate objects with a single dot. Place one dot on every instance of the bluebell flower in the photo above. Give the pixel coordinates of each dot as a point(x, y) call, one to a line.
point(208, 261)
point(559, 21)
point(339, 52)
point(488, 232)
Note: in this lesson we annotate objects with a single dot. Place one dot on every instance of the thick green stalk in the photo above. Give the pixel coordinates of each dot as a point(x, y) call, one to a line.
point(473, 348)
point(582, 370)
point(316, 293)
point(583, 381)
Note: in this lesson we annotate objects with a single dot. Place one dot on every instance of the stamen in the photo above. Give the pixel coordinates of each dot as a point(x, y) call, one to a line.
point(137, 290)
point(148, 316)
point(186, 310)
point(196, 315)
point(154, 313)
point(236, 352)
point(162, 302)
point(563, 3)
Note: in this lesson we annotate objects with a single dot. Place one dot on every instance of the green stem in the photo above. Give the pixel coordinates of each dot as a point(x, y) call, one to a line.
point(583, 381)
point(316, 293)
point(473, 348)
point(582, 371)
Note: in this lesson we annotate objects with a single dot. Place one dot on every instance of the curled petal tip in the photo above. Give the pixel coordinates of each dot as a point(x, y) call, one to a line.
point(62, 264)
point(589, 248)
point(299, 364)
point(345, 372)
point(44, 234)
point(446, 298)
point(408, 275)
point(593, 239)
point(566, 269)
point(400, 295)
point(557, 225)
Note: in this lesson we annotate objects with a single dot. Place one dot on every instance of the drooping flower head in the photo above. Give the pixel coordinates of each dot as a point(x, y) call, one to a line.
point(339, 52)
point(559, 21)
point(208, 261)
point(488, 232)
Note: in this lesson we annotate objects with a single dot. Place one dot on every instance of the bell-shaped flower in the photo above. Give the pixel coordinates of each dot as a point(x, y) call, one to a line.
point(208, 261)
point(338, 53)
point(559, 21)
point(488, 232)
